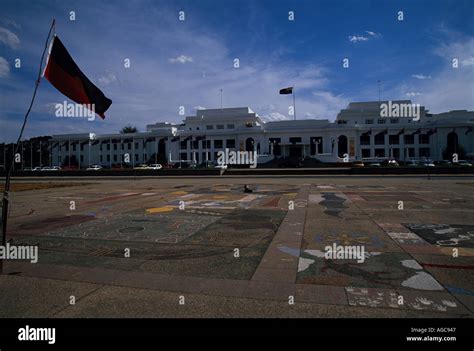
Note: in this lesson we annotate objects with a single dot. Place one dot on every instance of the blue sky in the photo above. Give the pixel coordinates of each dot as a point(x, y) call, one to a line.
point(186, 63)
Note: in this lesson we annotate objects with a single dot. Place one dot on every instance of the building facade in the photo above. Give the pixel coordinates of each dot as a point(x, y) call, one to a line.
point(358, 133)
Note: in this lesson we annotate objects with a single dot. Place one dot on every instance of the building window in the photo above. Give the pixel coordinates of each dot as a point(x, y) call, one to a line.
point(381, 121)
point(275, 146)
point(230, 126)
point(59, 159)
point(393, 139)
point(365, 153)
point(315, 145)
point(369, 121)
point(379, 139)
point(108, 147)
point(409, 139)
point(136, 157)
point(379, 152)
point(101, 158)
point(396, 153)
point(129, 146)
point(220, 126)
point(206, 144)
point(195, 144)
point(82, 158)
point(209, 127)
point(218, 144)
point(73, 147)
point(108, 158)
point(115, 146)
point(424, 152)
point(136, 145)
point(393, 120)
point(183, 145)
point(82, 147)
point(230, 143)
point(365, 140)
point(115, 158)
point(183, 156)
point(423, 138)
point(295, 140)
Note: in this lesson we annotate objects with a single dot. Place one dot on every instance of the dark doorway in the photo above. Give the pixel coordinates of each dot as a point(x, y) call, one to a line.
point(342, 146)
point(249, 144)
point(452, 141)
point(295, 151)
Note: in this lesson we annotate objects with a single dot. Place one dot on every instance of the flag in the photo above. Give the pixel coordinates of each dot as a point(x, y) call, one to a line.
point(286, 91)
point(63, 73)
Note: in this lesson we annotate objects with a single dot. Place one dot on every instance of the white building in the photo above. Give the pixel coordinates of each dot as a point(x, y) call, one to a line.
point(359, 132)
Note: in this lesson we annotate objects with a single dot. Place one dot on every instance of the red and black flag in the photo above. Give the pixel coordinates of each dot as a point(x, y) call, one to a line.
point(63, 73)
point(286, 91)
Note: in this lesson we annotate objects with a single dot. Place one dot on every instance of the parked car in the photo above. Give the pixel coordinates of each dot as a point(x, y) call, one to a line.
point(392, 163)
point(143, 166)
point(358, 164)
point(94, 168)
point(56, 168)
point(412, 163)
point(221, 166)
point(444, 163)
point(37, 169)
point(428, 163)
point(374, 164)
point(155, 166)
point(464, 163)
point(46, 168)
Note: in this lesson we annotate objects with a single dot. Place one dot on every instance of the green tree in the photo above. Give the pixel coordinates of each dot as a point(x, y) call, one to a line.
point(128, 129)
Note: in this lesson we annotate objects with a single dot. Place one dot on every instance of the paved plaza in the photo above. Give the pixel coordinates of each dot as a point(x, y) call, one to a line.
point(202, 247)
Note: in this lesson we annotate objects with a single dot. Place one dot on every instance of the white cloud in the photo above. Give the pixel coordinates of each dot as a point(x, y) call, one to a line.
point(357, 38)
point(10, 23)
point(4, 67)
point(181, 59)
point(107, 79)
point(420, 76)
point(468, 62)
point(413, 94)
point(449, 88)
point(199, 108)
point(373, 34)
point(9, 38)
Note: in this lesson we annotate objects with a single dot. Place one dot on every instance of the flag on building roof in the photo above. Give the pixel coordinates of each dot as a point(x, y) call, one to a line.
point(286, 91)
point(64, 74)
